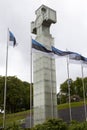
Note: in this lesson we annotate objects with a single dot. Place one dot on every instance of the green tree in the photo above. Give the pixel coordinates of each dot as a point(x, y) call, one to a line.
point(27, 95)
point(17, 95)
point(64, 87)
point(79, 86)
point(76, 88)
point(1, 91)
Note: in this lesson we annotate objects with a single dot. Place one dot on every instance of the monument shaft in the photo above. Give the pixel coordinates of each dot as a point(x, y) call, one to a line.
point(45, 101)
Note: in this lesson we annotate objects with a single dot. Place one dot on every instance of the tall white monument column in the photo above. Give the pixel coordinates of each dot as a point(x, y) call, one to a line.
point(45, 101)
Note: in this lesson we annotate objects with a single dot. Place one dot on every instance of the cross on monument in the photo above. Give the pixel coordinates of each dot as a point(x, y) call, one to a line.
point(44, 18)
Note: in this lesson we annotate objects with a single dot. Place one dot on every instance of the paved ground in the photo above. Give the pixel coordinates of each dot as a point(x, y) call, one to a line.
point(77, 113)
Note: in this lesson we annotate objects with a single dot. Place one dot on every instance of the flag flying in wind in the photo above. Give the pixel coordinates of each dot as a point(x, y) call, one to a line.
point(84, 59)
point(58, 52)
point(76, 58)
point(84, 63)
point(73, 56)
point(37, 47)
point(12, 39)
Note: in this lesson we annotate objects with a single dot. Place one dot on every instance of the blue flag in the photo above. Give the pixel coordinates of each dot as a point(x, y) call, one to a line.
point(85, 59)
point(73, 56)
point(39, 47)
point(58, 52)
point(84, 63)
point(76, 58)
point(12, 39)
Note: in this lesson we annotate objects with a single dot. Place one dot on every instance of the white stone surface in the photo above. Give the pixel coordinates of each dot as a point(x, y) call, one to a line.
point(45, 101)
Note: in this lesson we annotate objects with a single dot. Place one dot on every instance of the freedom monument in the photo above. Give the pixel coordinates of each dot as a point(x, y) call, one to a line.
point(44, 91)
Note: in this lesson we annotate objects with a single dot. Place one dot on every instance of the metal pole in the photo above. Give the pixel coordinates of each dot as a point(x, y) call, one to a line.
point(51, 89)
point(31, 84)
point(69, 88)
point(84, 92)
point(5, 87)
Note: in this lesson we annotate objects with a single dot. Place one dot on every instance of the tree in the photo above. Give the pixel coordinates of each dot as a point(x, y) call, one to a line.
point(17, 95)
point(76, 88)
point(64, 87)
point(1, 91)
point(64, 90)
point(79, 87)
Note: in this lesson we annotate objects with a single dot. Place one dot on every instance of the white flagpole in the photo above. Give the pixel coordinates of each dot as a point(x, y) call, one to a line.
point(31, 84)
point(84, 92)
point(5, 87)
point(69, 88)
point(52, 114)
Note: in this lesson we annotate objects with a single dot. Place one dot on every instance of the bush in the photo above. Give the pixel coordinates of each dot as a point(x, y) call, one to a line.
point(78, 126)
point(14, 127)
point(51, 124)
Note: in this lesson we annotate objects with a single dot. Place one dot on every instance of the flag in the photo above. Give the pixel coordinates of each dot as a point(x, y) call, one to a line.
point(76, 58)
point(58, 52)
point(12, 39)
point(84, 63)
point(73, 56)
point(37, 47)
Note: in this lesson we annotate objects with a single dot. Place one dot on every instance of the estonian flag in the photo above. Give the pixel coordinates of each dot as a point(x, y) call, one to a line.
point(37, 47)
point(76, 58)
point(73, 56)
point(12, 39)
point(59, 53)
point(84, 63)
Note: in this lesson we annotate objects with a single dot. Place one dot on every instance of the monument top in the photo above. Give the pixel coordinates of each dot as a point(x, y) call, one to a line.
point(45, 16)
point(47, 13)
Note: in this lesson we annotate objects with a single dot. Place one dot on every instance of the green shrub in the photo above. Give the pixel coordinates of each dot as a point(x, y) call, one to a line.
point(51, 124)
point(78, 126)
point(14, 127)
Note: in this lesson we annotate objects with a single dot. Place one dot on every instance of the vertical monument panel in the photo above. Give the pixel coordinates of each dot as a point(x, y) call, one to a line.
point(45, 101)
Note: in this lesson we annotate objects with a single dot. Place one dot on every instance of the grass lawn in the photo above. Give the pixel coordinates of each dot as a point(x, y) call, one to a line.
point(15, 117)
point(73, 104)
point(20, 116)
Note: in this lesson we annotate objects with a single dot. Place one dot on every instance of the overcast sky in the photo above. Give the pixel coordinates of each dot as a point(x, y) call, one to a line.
point(69, 32)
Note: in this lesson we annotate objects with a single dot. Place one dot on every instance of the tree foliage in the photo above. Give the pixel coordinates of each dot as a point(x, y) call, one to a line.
point(17, 94)
point(76, 88)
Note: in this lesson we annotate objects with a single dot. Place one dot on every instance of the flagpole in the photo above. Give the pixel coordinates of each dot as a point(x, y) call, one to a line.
point(31, 83)
point(84, 93)
point(5, 87)
point(51, 89)
point(68, 82)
